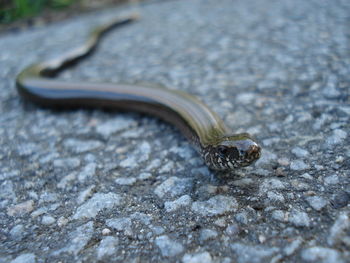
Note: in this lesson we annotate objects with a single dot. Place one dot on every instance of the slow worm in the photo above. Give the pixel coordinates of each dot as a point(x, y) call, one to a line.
point(219, 147)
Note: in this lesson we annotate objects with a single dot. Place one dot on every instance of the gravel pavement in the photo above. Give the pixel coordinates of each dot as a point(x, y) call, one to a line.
point(90, 185)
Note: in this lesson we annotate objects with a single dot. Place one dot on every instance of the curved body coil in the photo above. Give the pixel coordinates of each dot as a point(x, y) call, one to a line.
point(220, 149)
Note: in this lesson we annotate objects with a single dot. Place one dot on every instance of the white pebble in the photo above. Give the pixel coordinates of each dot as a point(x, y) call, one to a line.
point(48, 220)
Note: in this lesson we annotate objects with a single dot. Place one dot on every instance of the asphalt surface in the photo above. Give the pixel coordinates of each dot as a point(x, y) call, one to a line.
point(90, 185)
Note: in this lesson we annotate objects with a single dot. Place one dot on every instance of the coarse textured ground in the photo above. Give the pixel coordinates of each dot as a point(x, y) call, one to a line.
point(89, 185)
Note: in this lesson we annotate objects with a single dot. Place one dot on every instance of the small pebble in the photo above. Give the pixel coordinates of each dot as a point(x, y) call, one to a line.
point(26, 149)
point(107, 247)
point(62, 221)
point(77, 240)
point(220, 222)
point(339, 230)
point(48, 197)
point(275, 197)
point(299, 218)
point(306, 176)
point(21, 208)
point(232, 230)
point(216, 205)
point(48, 220)
point(201, 257)
point(17, 232)
point(117, 124)
point(85, 194)
point(168, 247)
point(88, 171)
point(7, 190)
point(125, 180)
point(80, 146)
point(174, 186)
point(25, 258)
point(299, 152)
point(95, 204)
point(40, 211)
point(171, 206)
point(67, 181)
point(322, 255)
point(207, 234)
point(242, 218)
point(339, 159)
point(67, 163)
point(316, 202)
point(299, 186)
point(299, 165)
point(158, 230)
point(248, 254)
point(262, 238)
point(122, 224)
point(279, 215)
point(337, 137)
point(293, 246)
point(331, 179)
point(271, 184)
point(330, 90)
point(144, 176)
point(106, 231)
point(283, 161)
point(280, 172)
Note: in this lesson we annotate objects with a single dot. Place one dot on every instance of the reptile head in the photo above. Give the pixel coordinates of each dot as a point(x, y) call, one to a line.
point(232, 151)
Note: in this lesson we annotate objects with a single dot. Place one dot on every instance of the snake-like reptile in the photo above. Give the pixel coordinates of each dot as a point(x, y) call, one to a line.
point(219, 147)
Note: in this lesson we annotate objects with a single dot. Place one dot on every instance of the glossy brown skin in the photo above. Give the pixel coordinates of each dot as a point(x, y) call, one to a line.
point(220, 149)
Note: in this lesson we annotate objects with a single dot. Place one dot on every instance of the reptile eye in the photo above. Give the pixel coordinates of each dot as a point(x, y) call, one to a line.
point(235, 153)
point(222, 151)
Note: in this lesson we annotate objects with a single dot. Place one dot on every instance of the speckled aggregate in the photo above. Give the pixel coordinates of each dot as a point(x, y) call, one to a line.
point(89, 185)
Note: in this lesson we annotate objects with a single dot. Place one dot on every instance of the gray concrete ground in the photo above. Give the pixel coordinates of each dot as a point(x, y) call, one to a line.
point(88, 185)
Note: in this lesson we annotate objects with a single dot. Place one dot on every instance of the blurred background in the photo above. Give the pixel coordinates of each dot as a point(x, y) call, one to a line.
point(19, 14)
